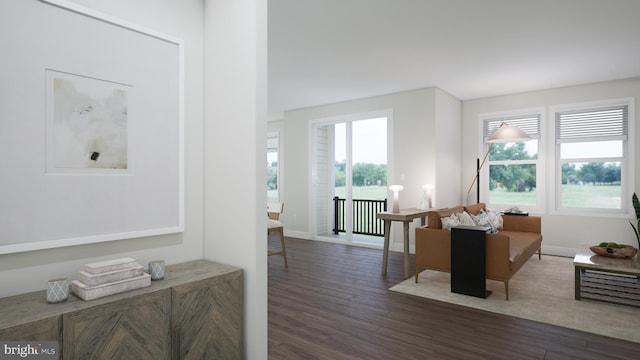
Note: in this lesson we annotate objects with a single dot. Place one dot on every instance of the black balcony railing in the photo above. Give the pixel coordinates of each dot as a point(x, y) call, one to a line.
point(365, 221)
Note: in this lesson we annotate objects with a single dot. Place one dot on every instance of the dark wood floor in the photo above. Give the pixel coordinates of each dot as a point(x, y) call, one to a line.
point(332, 303)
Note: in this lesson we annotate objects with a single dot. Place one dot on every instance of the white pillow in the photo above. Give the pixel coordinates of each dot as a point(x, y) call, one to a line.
point(496, 218)
point(465, 219)
point(482, 219)
point(449, 221)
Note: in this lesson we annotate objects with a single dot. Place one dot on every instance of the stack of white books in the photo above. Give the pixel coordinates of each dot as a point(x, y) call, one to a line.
point(110, 277)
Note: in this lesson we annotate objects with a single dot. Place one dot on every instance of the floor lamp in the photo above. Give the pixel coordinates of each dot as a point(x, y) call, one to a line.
point(504, 134)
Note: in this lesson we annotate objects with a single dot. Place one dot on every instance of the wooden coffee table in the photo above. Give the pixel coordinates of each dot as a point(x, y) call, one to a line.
point(607, 279)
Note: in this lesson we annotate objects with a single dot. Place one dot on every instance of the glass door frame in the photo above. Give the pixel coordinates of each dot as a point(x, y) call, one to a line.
point(313, 166)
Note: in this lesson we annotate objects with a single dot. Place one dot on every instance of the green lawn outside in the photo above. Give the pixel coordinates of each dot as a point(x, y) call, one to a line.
point(591, 196)
point(579, 196)
point(573, 196)
point(503, 197)
point(371, 192)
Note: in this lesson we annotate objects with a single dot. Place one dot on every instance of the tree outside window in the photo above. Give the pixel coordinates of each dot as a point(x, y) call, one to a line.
point(273, 170)
point(513, 167)
point(591, 147)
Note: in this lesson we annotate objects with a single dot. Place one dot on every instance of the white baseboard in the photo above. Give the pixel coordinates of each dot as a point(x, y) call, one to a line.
point(558, 250)
point(297, 234)
point(398, 247)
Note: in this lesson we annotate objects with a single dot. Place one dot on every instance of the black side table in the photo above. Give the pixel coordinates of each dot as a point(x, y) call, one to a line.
point(468, 260)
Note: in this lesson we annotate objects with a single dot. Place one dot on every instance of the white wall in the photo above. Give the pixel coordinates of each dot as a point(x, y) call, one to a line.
point(28, 271)
point(417, 116)
point(562, 234)
point(235, 152)
point(448, 149)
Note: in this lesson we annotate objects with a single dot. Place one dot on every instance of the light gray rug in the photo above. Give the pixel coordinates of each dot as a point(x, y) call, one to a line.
point(542, 290)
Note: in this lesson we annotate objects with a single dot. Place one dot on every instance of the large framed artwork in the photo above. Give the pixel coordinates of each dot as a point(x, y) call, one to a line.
point(86, 124)
point(91, 133)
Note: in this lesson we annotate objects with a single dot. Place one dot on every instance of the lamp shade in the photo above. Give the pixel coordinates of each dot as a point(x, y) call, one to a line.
point(504, 134)
point(395, 188)
point(396, 202)
point(507, 133)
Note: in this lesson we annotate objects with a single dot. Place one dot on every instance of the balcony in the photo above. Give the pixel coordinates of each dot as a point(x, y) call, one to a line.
point(364, 219)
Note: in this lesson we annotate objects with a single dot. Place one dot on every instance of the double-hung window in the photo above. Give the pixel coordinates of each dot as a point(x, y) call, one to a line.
point(592, 151)
point(515, 174)
point(273, 168)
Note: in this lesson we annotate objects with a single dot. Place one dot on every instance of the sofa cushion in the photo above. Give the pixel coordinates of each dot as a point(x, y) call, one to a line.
point(496, 218)
point(435, 215)
point(520, 249)
point(461, 218)
point(465, 219)
point(482, 219)
point(449, 221)
point(474, 209)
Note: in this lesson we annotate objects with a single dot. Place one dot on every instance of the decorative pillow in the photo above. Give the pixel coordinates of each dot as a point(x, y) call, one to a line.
point(450, 221)
point(496, 218)
point(482, 219)
point(465, 219)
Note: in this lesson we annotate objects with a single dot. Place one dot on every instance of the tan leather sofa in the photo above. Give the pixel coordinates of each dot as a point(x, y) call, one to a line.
point(507, 250)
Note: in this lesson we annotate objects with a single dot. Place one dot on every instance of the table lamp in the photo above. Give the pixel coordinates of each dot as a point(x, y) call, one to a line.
point(425, 201)
point(396, 201)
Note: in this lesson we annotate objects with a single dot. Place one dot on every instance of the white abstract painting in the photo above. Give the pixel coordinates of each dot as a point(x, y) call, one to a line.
point(88, 123)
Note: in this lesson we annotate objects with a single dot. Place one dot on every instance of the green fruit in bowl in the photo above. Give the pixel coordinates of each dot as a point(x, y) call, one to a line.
point(611, 244)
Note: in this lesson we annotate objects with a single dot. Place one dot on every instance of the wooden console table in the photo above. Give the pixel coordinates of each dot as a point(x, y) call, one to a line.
point(406, 216)
point(607, 279)
point(196, 310)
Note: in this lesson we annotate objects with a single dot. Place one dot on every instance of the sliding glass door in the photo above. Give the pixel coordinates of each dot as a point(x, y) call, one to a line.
point(349, 172)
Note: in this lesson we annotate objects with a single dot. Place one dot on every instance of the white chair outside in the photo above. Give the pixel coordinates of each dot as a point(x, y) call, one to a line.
point(274, 225)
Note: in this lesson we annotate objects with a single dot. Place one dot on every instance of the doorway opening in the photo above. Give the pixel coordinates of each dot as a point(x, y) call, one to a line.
point(349, 178)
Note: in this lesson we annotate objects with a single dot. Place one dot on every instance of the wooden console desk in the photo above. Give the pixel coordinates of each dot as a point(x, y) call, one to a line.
point(406, 216)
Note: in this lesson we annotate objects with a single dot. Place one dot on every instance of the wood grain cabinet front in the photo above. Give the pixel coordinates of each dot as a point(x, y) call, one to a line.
point(195, 312)
point(47, 329)
point(208, 318)
point(138, 327)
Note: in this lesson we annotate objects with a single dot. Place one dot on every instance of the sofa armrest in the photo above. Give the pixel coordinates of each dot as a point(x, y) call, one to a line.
point(531, 224)
point(498, 256)
point(433, 248)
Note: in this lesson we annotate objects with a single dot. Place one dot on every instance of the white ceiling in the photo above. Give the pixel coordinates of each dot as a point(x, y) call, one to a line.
point(327, 51)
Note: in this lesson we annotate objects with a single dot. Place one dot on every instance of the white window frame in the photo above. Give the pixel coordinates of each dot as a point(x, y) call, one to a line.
point(627, 164)
point(540, 163)
point(276, 135)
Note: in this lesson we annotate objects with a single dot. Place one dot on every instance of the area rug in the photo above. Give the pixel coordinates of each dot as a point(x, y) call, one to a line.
point(542, 290)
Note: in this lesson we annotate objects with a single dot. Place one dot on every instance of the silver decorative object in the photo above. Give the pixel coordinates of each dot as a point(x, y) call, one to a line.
point(156, 269)
point(57, 290)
